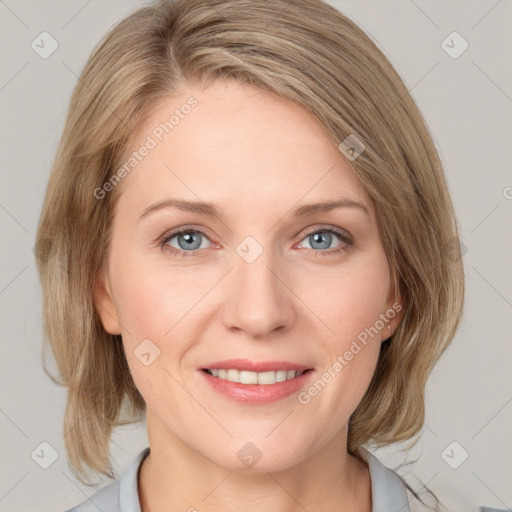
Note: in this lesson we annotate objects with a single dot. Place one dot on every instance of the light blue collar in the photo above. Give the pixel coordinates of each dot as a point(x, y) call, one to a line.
point(388, 491)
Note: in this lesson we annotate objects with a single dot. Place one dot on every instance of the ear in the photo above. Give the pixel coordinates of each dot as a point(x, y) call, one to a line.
point(105, 305)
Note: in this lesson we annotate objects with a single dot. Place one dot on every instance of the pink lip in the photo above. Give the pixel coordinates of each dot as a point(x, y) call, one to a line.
point(257, 393)
point(255, 366)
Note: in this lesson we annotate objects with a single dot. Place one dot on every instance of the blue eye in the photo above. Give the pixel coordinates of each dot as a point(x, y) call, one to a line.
point(189, 241)
point(321, 239)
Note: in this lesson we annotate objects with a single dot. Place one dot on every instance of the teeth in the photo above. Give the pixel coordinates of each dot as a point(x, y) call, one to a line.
point(246, 377)
point(267, 377)
point(281, 375)
point(233, 375)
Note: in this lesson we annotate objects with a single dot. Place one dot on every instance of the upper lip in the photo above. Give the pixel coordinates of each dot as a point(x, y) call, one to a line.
point(254, 366)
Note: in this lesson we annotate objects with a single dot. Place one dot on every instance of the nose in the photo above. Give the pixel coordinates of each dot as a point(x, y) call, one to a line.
point(259, 300)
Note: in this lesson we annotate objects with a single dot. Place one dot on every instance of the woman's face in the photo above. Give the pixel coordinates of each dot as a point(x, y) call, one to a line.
point(259, 276)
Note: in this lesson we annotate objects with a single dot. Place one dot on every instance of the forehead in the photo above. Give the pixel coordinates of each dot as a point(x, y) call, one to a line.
point(232, 142)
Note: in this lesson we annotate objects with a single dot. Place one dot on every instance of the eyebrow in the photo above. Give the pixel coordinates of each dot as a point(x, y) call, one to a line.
point(210, 209)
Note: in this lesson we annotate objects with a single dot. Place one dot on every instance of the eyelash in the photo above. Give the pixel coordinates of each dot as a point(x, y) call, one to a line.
point(346, 241)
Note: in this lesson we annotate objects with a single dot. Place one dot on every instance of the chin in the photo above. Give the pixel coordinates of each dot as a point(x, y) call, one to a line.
point(246, 456)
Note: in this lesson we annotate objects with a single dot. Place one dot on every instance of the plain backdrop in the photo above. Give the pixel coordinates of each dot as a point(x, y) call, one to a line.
point(466, 98)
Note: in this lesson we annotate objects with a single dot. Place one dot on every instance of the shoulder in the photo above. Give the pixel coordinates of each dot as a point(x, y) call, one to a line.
point(121, 495)
point(419, 506)
point(390, 492)
point(105, 499)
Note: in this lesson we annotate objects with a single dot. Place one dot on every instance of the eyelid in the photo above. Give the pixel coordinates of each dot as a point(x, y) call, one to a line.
point(319, 227)
point(345, 236)
point(171, 233)
point(328, 227)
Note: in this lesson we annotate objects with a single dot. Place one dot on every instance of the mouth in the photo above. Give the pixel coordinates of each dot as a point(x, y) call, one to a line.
point(250, 377)
point(256, 382)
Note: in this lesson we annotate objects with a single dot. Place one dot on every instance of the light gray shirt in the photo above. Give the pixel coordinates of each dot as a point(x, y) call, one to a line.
point(388, 492)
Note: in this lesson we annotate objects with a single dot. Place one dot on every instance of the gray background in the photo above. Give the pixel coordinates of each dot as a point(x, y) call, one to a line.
point(467, 102)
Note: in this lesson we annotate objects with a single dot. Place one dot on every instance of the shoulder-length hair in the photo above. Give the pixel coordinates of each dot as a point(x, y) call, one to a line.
point(305, 52)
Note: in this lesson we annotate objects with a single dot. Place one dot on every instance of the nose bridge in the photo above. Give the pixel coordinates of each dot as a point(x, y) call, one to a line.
point(260, 301)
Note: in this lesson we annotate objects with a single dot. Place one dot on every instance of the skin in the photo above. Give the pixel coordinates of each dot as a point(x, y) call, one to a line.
point(257, 158)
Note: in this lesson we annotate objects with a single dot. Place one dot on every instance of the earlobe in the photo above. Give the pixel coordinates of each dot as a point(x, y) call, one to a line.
point(105, 305)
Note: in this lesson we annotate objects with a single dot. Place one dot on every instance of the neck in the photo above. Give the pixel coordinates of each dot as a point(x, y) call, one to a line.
point(176, 477)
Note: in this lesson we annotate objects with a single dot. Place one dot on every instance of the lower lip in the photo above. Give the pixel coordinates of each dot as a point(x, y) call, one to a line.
point(257, 393)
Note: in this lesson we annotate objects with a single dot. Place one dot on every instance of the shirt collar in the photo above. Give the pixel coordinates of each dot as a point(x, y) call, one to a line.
point(388, 491)
point(128, 484)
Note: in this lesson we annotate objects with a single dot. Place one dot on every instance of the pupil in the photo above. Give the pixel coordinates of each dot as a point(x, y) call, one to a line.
point(318, 236)
point(189, 241)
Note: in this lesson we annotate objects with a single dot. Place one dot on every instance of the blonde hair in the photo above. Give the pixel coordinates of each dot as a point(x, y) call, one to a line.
point(305, 52)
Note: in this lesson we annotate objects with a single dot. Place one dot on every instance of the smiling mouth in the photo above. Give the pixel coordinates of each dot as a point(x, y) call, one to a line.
point(248, 377)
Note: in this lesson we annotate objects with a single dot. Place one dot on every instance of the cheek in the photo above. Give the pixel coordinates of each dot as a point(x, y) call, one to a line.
point(162, 305)
point(150, 299)
point(152, 307)
point(349, 301)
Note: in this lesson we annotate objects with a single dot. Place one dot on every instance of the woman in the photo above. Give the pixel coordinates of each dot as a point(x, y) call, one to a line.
point(244, 241)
